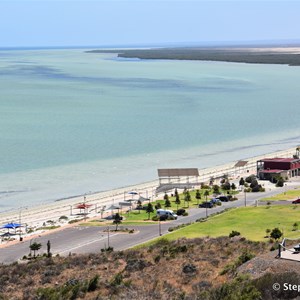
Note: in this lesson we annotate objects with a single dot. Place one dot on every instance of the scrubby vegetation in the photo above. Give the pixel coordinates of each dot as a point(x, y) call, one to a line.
point(194, 272)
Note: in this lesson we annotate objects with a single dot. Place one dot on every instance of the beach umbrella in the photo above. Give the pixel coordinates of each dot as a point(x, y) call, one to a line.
point(11, 225)
point(83, 205)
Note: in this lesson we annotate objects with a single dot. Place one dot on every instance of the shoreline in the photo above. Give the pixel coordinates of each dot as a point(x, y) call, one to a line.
point(288, 55)
point(38, 215)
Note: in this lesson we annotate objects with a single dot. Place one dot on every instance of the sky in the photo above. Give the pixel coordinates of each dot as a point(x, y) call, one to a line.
point(26, 23)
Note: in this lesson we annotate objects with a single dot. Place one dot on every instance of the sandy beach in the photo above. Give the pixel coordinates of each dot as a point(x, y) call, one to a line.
point(39, 216)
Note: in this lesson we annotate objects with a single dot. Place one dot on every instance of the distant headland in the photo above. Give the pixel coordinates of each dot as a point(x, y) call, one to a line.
point(288, 55)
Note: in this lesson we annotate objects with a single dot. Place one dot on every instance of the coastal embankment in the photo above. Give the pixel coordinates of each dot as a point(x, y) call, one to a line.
point(100, 203)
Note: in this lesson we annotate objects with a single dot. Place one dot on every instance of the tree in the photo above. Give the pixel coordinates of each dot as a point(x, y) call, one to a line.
point(167, 203)
point(198, 196)
point(242, 181)
point(149, 210)
point(35, 247)
point(276, 234)
point(268, 232)
point(177, 200)
point(226, 186)
point(206, 193)
point(167, 200)
point(187, 198)
point(139, 205)
point(166, 197)
point(157, 205)
point(117, 220)
point(216, 189)
point(280, 182)
point(175, 192)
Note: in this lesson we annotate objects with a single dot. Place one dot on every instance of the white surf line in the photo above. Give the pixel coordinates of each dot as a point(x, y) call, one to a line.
point(84, 244)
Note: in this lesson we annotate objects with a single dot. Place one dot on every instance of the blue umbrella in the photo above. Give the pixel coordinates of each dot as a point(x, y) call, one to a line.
point(11, 225)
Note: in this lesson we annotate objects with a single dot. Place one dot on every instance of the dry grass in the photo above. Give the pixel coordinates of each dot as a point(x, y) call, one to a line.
point(166, 270)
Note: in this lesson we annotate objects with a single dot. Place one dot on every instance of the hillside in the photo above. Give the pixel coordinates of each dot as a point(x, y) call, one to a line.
point(184, 269)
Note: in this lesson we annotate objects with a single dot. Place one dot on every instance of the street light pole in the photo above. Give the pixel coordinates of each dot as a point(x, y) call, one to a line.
point(245, 198)
point(108, 236)
point(20, 222)
point(159, 226)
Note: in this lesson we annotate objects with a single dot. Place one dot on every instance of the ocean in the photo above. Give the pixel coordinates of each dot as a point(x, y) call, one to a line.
point(73, 122)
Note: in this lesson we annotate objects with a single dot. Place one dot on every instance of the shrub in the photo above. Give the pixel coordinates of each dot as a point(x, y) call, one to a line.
point(155, 218)
point(234, 233)
point(63, 218)
point(180, 212)
point(185, 214)
point(93, 284)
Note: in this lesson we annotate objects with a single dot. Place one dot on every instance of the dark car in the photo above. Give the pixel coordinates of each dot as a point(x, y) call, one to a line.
point(297, 201)
point(223, 198)
point(206, 205)
point(180, 212)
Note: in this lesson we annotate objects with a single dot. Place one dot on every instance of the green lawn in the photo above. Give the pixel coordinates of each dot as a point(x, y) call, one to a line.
point(288, 195)
point(251, 222)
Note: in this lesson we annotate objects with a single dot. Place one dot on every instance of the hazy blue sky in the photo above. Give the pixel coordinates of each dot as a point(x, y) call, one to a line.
point(85, 22)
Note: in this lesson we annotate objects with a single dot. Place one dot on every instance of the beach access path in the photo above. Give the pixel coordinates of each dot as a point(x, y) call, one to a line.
point(79, 239)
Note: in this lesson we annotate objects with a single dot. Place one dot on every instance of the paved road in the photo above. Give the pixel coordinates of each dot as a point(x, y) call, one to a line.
point(92, 239)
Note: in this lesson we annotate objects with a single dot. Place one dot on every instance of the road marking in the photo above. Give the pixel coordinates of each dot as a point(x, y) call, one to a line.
point(85, 244)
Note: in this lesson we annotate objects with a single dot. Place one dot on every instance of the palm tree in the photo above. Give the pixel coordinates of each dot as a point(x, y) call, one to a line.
point(35, 247)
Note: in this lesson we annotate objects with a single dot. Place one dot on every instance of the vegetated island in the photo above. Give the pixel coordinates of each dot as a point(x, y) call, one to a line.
point(258, 55)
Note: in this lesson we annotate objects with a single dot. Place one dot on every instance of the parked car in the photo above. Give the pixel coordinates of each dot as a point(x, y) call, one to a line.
point(297, 201)
point(169, 213)
point(223, 198)
point(206, 205)
point(215, 201)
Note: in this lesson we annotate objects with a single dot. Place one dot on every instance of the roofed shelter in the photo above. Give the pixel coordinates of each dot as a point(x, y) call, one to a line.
point(177, 178)
point(241, 166)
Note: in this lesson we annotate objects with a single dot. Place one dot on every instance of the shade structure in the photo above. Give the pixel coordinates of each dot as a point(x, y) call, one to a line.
point(11, 225)
point(143, 199)
point(113, 207)
point(83, 205)
point(126, 203)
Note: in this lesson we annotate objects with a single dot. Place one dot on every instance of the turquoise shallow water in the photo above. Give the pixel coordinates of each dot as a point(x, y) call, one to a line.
point(73, 122)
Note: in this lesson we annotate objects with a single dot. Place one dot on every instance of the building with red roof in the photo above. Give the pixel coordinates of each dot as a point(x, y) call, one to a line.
point(269, 168)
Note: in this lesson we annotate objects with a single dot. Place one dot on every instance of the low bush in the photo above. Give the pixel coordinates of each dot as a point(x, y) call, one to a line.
point(234, 233)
